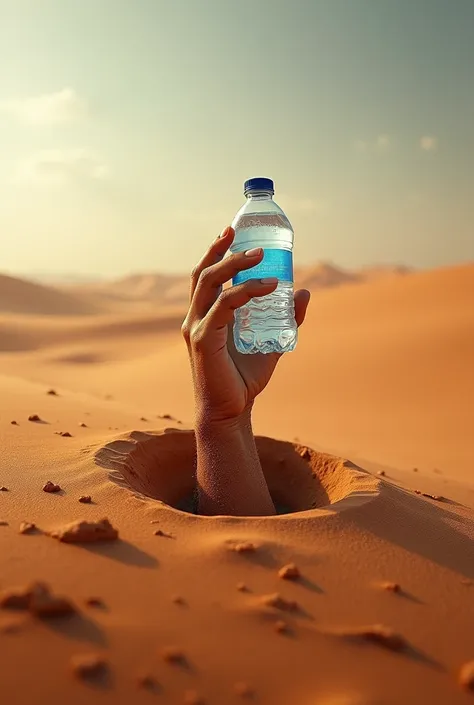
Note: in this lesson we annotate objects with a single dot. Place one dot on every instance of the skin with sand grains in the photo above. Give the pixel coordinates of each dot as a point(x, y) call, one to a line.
point(229, 475)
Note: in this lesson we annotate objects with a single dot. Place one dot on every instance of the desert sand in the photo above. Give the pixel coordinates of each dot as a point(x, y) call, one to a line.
point(362, 595)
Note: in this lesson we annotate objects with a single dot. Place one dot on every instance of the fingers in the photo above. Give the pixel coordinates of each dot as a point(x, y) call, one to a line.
point(214, 254)
point(302, 298)
point(212, 278)
point(222, 312)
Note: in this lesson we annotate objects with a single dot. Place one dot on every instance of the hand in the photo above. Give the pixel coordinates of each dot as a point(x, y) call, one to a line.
point(226, 382)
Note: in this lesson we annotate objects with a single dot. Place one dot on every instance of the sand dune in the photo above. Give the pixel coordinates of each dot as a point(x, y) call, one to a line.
point(171, 611)
point(20, 296)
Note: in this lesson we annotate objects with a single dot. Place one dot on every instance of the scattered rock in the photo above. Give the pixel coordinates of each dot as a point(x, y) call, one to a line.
point(85, 499)
point(27, 527)
point(173, 654)
point(415, 469)
point(168, 417)
point(244, 547)
point(146, 681)
point(142, 418)
point(88, 665)
point(241, 587)
point(279, 602)
point(4, 489)
point(95, 602)
point(381, 473)
point(376, 634)
point(244, 689)
point(83, 425)
point(305, 453)
point(159, 532)
point(38, 600)
point(191, 697)
point(417, 491)
point(436, 497)
point(34, 417)
point(178, 600)
point(3, 523)
point(289, 572)
point(65, 434)
point(14, 423)
point(86, 532)
point(466, 675)
point(51, 487)
point(52, 393)
point(391, 587)
point(281, 627)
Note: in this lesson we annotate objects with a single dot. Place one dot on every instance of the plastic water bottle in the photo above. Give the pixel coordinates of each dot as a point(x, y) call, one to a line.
point(266, 324)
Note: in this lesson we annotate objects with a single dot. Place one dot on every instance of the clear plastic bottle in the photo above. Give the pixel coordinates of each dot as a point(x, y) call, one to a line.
point(266, 324)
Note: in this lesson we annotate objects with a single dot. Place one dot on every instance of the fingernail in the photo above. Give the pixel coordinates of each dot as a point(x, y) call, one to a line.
point(254, 253)
point(269, 280)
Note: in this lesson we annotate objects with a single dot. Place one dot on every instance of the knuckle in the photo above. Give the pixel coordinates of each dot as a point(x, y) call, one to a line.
point(185, 330)
point(195, 272)
point(198, 337)
point(206, 275)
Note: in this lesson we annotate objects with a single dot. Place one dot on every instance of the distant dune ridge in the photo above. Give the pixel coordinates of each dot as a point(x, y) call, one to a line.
point(362, 593)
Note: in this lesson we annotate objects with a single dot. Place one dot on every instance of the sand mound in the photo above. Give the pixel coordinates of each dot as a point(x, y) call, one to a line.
point(162, 466)
point(21, 296)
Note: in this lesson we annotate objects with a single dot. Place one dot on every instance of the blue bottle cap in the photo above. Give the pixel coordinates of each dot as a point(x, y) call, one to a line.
point(258, 184)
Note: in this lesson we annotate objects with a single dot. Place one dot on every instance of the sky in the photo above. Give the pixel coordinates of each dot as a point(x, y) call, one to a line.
point(128, 128)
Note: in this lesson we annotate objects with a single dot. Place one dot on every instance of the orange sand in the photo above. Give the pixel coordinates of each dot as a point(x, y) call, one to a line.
point(363, 595)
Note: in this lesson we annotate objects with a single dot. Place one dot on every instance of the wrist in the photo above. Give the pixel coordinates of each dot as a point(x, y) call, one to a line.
point(207, 423)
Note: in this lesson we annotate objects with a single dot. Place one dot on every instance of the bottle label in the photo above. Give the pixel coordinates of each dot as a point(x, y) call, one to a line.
point(275, 263)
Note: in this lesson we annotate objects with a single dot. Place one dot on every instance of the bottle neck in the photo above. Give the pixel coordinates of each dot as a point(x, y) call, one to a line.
point(259, 195)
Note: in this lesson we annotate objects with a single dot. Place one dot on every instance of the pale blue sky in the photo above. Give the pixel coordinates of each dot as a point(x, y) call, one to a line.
point(127, 129)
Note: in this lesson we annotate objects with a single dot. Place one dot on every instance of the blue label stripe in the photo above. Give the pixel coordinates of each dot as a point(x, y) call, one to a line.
point(275, 263)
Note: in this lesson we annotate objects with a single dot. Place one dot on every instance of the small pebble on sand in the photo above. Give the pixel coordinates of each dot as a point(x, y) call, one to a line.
point(243, 689)
point(85, 499)
point(415, 469)
point(52, 393)
point(86, 532)
point(83, 425)
point(381, 473)
point(391, 587)
point(146, 681)
point(14, 423)
point(466, 675)
point(178, 600)
point(289, 572)
point(281, 627)
point(65, 434)
point(51, 487)
point(168, 417)
point(34, 417)
point(38, 599)
point(279, 602)
point(173, 654)
point(244, 547)
point(95, 602)
point(436, 497)
point(145, 420)
point(88, 665)
point(27, 527)
point(377, 634)
point(4, 489)
point(241, 587)
point(3, 523)
point(160, 532)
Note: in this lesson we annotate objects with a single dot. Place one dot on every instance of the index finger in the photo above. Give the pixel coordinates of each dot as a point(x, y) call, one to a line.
point(214, 254)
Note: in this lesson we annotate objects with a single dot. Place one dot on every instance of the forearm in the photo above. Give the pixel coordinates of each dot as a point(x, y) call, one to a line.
point(230, 479)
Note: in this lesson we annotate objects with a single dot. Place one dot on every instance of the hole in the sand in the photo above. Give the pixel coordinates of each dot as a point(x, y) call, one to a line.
point(162, 466)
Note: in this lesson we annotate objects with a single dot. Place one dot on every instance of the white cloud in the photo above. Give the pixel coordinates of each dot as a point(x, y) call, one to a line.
point(429, 143)
point(47, 109)
point(54, 167)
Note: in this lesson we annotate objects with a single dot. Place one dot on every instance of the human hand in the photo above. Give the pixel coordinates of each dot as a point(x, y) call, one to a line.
point(226, 382)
